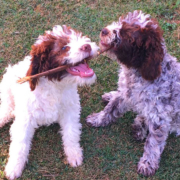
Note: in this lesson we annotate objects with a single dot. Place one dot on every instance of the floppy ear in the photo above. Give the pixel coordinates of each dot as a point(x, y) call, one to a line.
point(39, 60)
point(151, 67)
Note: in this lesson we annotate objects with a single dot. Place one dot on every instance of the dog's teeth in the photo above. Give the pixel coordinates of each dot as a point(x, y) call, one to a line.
point(75, 70)
point(87, 73)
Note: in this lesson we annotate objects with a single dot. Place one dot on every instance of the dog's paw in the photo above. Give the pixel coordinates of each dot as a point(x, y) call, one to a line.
point(107, 96)
point(75, 158)
point(138, 132)
point(94, 119)
point(13, 171)
point(147, 168)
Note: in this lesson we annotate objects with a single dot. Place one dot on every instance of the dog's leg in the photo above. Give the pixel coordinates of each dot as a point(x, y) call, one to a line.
point(114, 109)
point(7, 107)
point(21, 135)
point(139, 128)
point(153, 148)
point(71, 131)
point(106, 97)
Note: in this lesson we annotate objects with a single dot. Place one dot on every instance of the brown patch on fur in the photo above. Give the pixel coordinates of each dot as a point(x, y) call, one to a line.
point(47, 55)
point(141, 48)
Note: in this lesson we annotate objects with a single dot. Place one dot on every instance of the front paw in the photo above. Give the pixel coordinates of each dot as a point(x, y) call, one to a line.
point(74, 156)
point(94, 119)
point(106, 97)
point(138, 132)
point(13, 171)
point(147, 168)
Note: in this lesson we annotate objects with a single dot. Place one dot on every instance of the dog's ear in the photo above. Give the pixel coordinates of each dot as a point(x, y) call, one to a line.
point(151, 67)
point(39, 58)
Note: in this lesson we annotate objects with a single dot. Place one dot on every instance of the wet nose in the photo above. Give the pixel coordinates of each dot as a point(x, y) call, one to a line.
point(104, 32)
point(86, 48)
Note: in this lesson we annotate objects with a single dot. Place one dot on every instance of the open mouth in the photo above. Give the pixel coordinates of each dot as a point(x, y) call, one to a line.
point(82, 70)
point(114, 41)
point(114, 44)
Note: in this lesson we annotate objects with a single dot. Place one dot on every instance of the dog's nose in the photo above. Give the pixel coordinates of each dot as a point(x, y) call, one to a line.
point(86, 48)
point(104, 32)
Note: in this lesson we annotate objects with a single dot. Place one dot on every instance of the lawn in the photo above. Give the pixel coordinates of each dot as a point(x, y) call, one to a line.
point(110, 152)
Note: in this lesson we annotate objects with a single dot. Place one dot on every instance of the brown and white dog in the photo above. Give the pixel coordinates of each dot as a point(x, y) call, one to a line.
point(49, 99)
point(149, 85)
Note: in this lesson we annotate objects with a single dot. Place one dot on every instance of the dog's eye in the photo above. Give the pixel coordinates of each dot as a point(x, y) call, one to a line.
point(63, 48)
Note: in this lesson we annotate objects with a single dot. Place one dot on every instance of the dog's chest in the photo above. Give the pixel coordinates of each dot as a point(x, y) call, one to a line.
point(52, 104)
point(144, 96)
point(138, 92)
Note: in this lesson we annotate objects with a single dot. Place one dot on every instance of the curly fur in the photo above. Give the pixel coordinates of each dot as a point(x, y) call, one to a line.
point(149, 85)
point(45, 100)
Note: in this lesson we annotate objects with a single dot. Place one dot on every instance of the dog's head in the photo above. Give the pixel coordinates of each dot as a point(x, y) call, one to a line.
point(137, 42)
point(62, 46)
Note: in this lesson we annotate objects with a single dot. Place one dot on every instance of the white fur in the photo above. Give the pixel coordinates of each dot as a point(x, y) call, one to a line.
point(156, 102)
point(50, 102)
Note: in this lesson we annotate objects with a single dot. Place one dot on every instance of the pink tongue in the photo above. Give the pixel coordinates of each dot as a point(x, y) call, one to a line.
point(81, 70)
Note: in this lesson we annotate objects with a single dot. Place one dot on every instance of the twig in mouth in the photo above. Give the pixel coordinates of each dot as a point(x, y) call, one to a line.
point(61, 68)
point(102, 51)
point(29, 78)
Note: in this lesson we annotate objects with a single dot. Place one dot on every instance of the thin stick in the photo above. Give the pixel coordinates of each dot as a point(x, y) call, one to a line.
point(102, 51)
point(29, 78)
point(61, 68)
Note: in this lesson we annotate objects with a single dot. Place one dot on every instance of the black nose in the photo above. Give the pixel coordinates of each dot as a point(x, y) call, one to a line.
point(104, 32)
point(86, 48)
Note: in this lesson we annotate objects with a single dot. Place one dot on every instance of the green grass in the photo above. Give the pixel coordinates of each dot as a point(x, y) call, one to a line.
point(110, 152)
